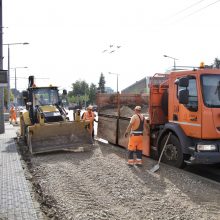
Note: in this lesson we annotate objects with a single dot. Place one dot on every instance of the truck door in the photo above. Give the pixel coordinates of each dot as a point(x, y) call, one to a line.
point(188, 116)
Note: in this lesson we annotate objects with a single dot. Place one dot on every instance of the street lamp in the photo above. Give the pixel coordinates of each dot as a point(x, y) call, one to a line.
point(174, 60)
point(10, 44)
point(112, 49)
point(117, 78)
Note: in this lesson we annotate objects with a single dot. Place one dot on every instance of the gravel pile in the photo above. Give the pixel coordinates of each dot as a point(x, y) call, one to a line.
point(97, 184)
point(125, 111)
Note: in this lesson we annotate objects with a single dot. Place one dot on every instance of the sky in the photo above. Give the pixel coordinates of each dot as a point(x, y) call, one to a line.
point(67, 39)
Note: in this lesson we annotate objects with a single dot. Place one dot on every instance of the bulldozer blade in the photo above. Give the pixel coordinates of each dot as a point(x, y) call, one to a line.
point(58, 136)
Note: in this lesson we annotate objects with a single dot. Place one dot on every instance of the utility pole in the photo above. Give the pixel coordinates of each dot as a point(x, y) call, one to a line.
point(9, 89)
point(2, 121)
point(15, 69)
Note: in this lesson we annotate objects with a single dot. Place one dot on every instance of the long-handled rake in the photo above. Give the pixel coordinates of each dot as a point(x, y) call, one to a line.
point(157, 166)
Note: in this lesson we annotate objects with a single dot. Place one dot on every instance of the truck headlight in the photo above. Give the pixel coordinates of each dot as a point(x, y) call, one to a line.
point(206, 147)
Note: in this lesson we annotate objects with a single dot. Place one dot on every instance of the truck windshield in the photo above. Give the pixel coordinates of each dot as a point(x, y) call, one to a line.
point(45, 96)
point(211, 90)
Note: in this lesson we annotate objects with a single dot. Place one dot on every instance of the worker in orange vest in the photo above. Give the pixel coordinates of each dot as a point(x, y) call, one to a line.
point(89, 116)
point(13, 115)
point(135, 131)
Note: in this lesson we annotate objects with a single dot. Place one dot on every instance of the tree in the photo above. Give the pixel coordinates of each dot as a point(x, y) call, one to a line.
point(6, 97)
point(82, 93)
point(92, 93)
point(79, 93)
point(101, 87)
point(217, 63)
point(80, 88)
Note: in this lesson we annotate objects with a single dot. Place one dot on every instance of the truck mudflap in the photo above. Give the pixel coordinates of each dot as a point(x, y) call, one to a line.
point(58, 136)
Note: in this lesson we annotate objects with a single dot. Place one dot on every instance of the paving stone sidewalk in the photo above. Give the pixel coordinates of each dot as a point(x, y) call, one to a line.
point(15, 198)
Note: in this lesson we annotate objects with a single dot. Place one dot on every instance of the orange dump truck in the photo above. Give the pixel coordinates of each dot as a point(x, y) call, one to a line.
point(185, 103)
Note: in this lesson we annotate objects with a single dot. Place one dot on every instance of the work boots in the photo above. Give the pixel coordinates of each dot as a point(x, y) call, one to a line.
point(137, 162)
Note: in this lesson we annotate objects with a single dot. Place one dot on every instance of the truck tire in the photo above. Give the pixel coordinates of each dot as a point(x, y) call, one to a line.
point(173, 154)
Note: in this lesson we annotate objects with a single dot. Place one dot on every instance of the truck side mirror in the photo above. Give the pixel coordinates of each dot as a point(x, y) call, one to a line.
point(183, 82)
point(184, 96)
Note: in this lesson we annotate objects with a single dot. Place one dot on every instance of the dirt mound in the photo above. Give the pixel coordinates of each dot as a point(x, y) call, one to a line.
point(126, 111)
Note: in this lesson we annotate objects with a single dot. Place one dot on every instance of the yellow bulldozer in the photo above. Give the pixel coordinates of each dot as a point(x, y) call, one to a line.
point(45, 125)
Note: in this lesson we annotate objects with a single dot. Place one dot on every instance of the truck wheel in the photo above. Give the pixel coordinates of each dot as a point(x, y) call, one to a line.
point(172, 154)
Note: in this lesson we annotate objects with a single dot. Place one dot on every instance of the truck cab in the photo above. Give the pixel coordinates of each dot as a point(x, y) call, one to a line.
point(193, 117)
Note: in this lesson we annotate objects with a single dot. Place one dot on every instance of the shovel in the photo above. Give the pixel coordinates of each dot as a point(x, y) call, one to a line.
point(156, 167)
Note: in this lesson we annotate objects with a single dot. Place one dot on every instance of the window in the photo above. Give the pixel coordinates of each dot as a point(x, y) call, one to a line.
point(193, 95)
point(45, 96)
point(211, 90)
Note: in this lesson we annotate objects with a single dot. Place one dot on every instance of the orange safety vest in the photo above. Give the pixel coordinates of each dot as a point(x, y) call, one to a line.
point(89, 116)
point(136, 135)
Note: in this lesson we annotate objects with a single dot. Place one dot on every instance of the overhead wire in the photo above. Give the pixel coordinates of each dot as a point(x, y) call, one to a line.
point(184, 10)
point(203, 8)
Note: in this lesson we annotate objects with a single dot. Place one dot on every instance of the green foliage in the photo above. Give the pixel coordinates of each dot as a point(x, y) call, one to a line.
point(92, 93)
point(80, 88)
point(82, 93)
point(6, 97)
point(101, 87)
point(217, 63)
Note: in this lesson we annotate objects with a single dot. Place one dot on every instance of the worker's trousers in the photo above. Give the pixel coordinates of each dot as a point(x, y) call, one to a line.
point(137, 152)
point(135, 146)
